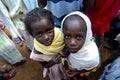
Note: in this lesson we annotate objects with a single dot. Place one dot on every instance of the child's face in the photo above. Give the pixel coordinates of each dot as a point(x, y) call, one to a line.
point(43, 31)
point(74, 34)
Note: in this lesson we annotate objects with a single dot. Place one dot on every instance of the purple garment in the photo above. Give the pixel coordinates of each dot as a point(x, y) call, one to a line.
point(55, 72)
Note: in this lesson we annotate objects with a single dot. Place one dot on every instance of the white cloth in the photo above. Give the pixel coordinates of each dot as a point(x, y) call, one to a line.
point(12, 12)
point(88, 56)
point(6, 20)
point(8, 50)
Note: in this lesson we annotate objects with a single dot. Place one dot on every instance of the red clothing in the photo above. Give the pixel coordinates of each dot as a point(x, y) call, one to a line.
point(102, 14)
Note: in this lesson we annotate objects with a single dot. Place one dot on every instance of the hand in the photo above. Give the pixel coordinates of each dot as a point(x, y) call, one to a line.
point(57, 59)
point(71, 74)
point(49, 64)
point(64, 53)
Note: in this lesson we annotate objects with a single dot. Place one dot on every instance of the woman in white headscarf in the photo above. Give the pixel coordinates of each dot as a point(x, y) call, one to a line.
point(84, 54)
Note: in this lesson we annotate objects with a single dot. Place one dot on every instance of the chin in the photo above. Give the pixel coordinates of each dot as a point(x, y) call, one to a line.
point(47, 44)
point(72, 51)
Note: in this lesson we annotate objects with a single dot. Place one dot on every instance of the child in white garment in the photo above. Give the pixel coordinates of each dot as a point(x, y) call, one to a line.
point(84, 55)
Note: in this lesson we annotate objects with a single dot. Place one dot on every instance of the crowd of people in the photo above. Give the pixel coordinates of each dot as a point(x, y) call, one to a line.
point(64, 36)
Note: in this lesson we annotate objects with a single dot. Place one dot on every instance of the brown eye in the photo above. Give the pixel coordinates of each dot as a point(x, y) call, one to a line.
point(38, 34)
point(79, 37)
point(67, 36)
point(50, 30)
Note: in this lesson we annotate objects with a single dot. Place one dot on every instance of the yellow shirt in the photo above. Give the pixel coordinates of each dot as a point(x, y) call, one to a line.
point(56, 46)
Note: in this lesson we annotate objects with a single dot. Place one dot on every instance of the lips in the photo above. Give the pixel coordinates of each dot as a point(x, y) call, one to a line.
point(47, 43)
point(73, 50)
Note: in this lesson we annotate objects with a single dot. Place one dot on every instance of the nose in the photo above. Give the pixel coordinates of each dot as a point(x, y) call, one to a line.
point(72, 43)
point(46, 37)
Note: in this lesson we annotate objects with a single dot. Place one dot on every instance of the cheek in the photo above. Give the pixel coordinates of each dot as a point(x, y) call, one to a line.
point(80, 43)
point(51, 35)
point(39, 39)
point(66, 41)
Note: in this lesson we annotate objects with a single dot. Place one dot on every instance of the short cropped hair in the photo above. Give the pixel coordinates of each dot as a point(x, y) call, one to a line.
point(36, 15)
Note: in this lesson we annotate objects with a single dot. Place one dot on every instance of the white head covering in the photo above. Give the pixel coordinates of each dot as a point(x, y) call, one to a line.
point(88, 56)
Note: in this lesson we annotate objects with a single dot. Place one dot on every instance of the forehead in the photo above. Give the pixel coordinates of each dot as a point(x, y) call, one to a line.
point(41, 24)
point(75, 24)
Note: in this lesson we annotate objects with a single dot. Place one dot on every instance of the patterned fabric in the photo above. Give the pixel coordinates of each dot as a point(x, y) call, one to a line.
point(60, 8)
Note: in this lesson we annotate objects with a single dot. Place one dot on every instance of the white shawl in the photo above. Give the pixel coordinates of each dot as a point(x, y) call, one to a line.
point(88, 56)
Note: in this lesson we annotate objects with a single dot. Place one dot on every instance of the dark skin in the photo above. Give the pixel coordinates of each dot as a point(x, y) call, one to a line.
point(43, 32)
point(56, 60)
point(88, 5)
point(74, 36)
point(42, 3)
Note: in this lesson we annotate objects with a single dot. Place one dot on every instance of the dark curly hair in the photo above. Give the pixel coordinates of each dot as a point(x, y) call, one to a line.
point(36, 15)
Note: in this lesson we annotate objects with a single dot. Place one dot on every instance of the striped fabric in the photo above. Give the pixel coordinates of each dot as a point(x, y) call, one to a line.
point(60, 8)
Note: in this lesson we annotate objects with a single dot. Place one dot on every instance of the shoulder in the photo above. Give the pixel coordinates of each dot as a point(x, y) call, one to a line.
point(36, 52)
point(57, 29)
point(93, 51)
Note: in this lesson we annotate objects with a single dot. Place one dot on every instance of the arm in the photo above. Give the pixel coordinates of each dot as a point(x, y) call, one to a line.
point(88, 5)
point(73, 73)
point(64, 53)
point(37, 56)
point(46, 60)
point(57, 59)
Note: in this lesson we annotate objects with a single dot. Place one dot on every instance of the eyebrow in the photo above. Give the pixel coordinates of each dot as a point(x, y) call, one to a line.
point(49, 28)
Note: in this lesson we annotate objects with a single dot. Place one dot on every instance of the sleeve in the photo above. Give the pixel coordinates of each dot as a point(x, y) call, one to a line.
point(40, 57)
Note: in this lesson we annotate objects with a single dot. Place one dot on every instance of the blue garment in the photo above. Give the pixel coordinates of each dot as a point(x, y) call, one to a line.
point(112, 71)
point(60, 8)
point(1, 75)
